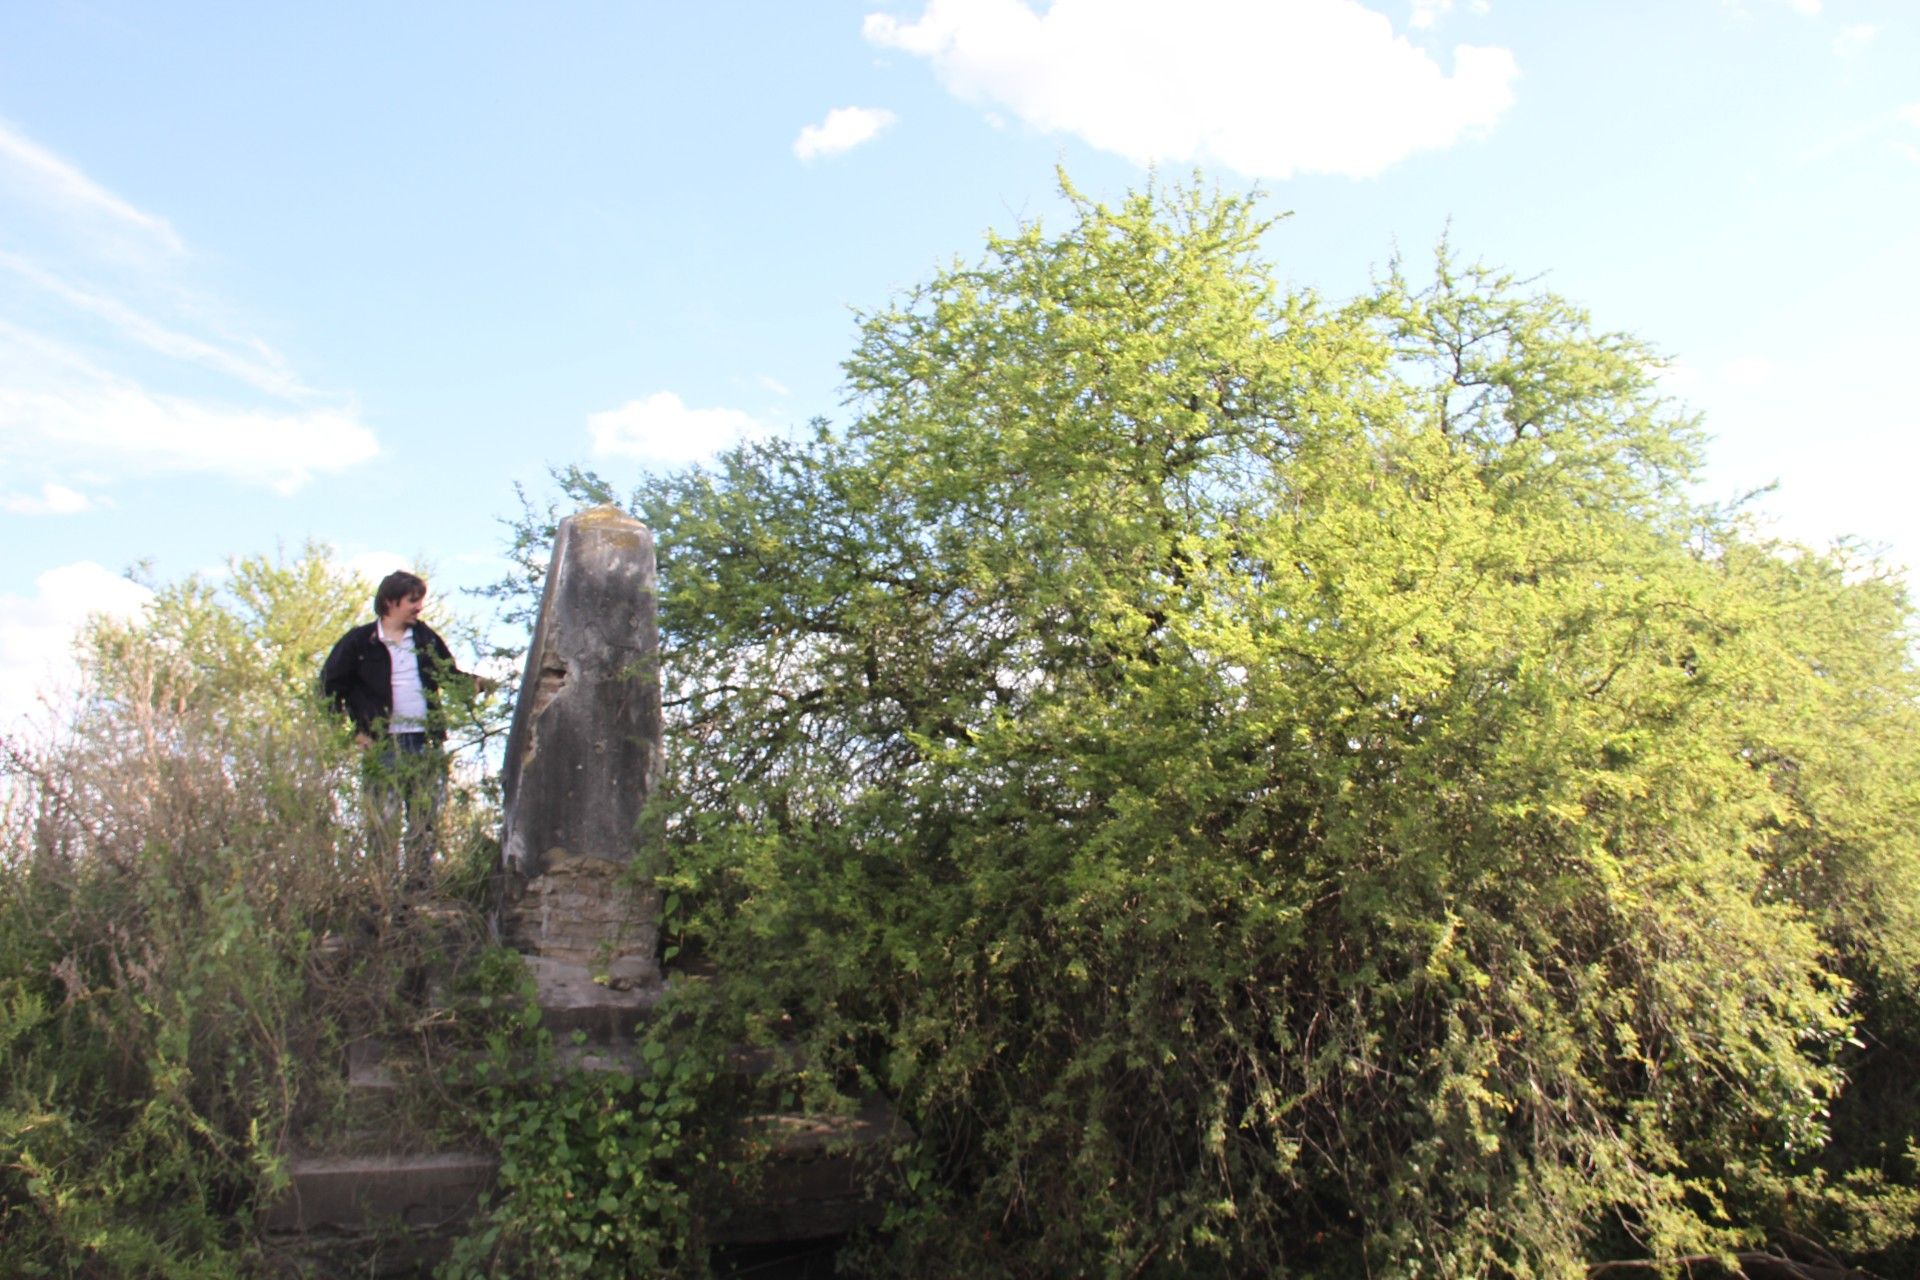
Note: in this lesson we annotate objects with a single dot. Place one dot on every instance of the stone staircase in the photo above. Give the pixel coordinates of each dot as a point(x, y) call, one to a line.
point(583, 759)
point(372, 1197)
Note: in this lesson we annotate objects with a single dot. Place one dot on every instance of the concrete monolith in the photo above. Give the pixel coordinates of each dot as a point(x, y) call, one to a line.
point(584, 755)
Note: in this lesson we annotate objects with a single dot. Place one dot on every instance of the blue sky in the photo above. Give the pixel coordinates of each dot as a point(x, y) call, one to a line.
point(350, 271)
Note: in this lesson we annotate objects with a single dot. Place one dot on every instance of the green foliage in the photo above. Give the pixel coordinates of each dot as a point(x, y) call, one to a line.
point(1275, 787)
point(251, 642)
point(597, 1168)
point(168, 862)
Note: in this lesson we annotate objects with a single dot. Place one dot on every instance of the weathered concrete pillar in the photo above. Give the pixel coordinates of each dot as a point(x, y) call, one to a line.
point(584, 755)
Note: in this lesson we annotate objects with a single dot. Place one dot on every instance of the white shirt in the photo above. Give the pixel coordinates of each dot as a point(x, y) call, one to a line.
point(409, 699)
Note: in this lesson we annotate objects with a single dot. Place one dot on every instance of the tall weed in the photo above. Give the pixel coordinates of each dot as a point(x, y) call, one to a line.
point(169, 865)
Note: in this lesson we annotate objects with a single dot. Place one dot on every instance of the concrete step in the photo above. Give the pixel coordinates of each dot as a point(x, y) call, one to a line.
point(368, 1075)
point(819, 1178)
point(375, 1065)
point(570, 1000)
point(358, 1193)
point(822, 1176)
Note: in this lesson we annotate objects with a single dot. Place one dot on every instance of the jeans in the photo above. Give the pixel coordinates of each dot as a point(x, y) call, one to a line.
point(405, 784)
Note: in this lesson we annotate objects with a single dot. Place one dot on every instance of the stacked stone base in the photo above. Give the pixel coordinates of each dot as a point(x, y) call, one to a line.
point(379, 1209)
point(582, 911)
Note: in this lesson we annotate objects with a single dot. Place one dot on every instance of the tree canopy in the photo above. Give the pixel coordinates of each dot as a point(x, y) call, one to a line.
point(1279, 786)
point(249, 642)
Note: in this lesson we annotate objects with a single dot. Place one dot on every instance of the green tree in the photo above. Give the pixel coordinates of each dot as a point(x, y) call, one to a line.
point(251, 641)
point(1280, 787)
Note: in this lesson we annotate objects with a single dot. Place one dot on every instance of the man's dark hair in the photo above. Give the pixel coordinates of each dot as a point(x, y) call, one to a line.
point(395, 587)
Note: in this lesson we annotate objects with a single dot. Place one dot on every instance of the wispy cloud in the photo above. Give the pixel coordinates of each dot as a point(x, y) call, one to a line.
point(662, 430)
point(269, 374)
point(108, 359)
point(52, 500)
point(1906, 139)
point(375, 564)
point(844, 129)
point(1427, 13)
point(1853, 38)
point(48, 178)
point(1266, 89)
point(57, 408)
point(1746, 372)
point(1809, 8)
point(1686, 378)
point(1889, 127)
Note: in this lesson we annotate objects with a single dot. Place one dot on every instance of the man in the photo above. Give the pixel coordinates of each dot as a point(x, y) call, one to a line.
point(386, 676)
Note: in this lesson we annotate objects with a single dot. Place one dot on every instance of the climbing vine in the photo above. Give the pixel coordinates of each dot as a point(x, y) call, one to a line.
point(601, 1162)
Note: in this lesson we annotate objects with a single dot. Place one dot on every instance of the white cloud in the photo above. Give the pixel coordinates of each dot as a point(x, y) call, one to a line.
point(268, 373)
point(1811, 8)
point(105, 294)
point(771, 383)
point(55, 406)
point(1427, 13)
point(661, 429)
point(844, 129)
point(37, 632)
point(1735, 373)
point(1853, 38)
point(54, 181)
point(1909, 114)
point(374, 565)
point(1264, 88)
point(144, 431)
point(1746, 371)
point(52, 500)
point(1677, 377)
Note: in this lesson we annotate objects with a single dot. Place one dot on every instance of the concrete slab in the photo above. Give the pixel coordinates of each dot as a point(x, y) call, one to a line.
point(570, 1000)
point(353, 1193)
point(822, 1176)
point(367, 1073)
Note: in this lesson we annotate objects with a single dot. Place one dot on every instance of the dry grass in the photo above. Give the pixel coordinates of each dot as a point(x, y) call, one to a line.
point(194, 922)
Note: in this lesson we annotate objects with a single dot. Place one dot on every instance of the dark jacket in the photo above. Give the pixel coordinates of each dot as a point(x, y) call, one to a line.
point(358, 677)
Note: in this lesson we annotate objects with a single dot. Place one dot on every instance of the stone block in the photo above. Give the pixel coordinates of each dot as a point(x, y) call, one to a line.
point(375, 1192)
point(821, 1176)
point(585, 911)
point(570, 1000)
point(584, 754)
